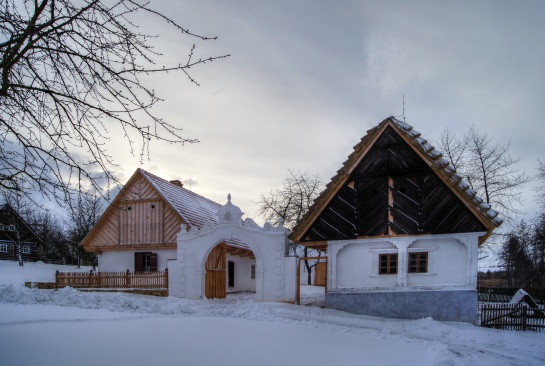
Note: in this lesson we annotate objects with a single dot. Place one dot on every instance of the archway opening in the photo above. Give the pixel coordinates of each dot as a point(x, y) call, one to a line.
point(230, 269)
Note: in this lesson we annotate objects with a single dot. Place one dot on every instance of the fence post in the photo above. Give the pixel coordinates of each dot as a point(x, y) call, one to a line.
point(91, 278)
point(524, 314)
point(56, 280)
point(127, 279)
point(166, 278)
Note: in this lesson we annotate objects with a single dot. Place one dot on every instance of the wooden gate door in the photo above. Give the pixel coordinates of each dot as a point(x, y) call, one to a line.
point(320, 274)
point(215, 273)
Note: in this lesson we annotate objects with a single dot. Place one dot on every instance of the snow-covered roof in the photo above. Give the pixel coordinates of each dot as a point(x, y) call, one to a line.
point(195, 209)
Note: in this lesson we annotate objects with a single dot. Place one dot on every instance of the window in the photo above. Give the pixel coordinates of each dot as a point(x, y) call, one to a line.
point(11, 228)
point(388, 264)
point(3, 248)
point(253, 272)
point(1, 227)
point(145, 262)
point(25, 249)
point(418, 262)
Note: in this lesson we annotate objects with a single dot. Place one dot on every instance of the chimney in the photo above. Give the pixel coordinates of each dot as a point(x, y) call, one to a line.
point(176, 182)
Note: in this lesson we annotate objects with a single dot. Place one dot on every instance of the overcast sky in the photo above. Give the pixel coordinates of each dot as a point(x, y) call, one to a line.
point(307, 79)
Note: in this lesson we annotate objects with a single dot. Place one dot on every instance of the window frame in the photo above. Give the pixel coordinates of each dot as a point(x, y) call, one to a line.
point(389, 259)
point(421, 260)
point(145, 262)
point(4, 245)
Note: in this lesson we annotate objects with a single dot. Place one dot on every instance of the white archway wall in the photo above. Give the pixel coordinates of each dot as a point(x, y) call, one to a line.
point(275, 274)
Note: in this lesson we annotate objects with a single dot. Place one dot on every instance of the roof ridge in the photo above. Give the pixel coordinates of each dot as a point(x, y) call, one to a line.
point(145, 172)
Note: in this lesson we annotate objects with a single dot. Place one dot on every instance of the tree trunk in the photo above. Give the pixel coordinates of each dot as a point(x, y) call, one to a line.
point(308, 267)
point(20, 254)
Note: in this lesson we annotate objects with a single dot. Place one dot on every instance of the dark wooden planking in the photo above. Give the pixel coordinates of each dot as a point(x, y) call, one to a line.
point(372, 206)
point(339, 218)
point(422, 203)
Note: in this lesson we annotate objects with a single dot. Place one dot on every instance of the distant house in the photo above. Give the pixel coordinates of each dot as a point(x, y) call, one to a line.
point(401, 230)
point(16, 235)
point(138, 231)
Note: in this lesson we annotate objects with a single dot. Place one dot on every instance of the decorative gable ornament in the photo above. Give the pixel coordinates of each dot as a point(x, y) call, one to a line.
point(229, 213)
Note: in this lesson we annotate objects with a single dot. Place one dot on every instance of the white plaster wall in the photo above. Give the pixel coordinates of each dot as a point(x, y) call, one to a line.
point(268, 246)
point(116, 261)
point(447, 263)
point(356, 263)
point(290, 276)
point(355, 266)
point(243, 273)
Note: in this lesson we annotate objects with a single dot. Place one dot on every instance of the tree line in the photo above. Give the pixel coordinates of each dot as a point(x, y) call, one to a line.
point(522, 256)
point(60, 234)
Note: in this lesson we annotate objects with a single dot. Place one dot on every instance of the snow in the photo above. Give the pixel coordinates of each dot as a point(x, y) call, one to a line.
point(69, 327)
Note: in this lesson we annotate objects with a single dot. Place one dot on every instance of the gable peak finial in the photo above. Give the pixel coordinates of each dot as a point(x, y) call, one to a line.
point(229, 198)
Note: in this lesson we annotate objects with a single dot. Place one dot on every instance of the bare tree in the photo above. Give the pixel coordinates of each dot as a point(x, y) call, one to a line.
point(487, 167)
point(541, 178)
point(50, 229)
point(290, 203)
point(83, 215)
point(70, 71)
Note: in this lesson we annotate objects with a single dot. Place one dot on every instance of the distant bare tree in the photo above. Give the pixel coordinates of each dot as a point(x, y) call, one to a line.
point(487, 167)
point(50, 229)
point(83, 215)
point(69, 72)
point(514, 256)
point(541, 178)
point(290, 203)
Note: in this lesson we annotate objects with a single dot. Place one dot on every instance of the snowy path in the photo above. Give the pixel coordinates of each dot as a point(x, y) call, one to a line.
point(115, 325)
point(68, 327)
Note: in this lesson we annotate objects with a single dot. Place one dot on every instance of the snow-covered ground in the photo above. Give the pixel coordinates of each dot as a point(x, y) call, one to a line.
point(68, 327)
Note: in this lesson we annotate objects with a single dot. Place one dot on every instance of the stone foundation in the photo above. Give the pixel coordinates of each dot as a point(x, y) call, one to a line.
point(454, 305)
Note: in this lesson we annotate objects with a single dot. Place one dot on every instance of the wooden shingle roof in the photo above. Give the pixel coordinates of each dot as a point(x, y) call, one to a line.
point(428, 153)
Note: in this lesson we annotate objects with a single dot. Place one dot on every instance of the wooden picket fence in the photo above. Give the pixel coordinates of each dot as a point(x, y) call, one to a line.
point(113, 280)
point(512, 317)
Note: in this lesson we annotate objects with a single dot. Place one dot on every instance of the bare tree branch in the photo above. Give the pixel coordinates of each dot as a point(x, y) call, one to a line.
point(290, 203)
point(488, 168)
point(541, 178)
point(70, 72)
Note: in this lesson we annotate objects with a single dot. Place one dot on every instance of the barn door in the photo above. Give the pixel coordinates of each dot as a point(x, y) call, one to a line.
point(215, 273)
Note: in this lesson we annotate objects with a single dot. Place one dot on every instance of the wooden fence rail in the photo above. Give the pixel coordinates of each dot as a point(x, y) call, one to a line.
point(113, 280)
point(512, 317)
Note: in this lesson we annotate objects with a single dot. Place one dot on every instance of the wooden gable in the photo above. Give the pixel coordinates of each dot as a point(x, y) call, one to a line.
point(389, 187)
point(139, 217)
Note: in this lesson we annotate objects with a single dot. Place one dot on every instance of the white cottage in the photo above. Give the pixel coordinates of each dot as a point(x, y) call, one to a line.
point(138, 232)
point(401, 230)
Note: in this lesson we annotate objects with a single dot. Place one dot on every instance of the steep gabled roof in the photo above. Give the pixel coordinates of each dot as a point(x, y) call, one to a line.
point(194, 209)
point(432, 158)
point(7, 210)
